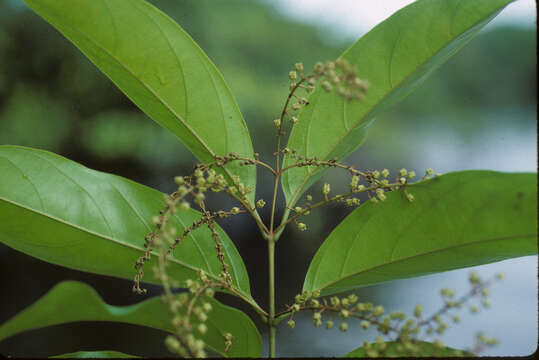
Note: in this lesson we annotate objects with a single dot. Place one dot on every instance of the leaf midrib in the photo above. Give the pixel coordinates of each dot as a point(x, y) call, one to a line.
point(377, 104)
point(425, 253)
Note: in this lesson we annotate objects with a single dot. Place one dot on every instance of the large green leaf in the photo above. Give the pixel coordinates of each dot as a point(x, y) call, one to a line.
point(64, 213)
point(72, 301)
point(426, 350)
point(103, 354)
point(160, 68)
point(457, 220)
point(395, 57)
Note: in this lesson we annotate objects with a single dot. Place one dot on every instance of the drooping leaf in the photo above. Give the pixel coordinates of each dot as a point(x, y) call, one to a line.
point(458, 220)
point(425, 349)
point(64, 213)
point(72, 301)
point(103, 354)
point(161, 69)
point(395, 57)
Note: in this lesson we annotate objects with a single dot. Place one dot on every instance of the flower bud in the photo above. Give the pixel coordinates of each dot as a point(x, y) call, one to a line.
point(178, 180)
point(429, 172)
point(353, 182)
point(411, 174)
point(199, 197)
point(379, 310)
point(403, 172)
point(277, 122)
point(299, 66)
point(294, 120)
point(410, 197)
point(326, 189)
point(343, 327)
point(207, 307)
point(291, 324)
point(376, 174)
point(345, 313)
point(260, 203)
point(329, 324)
point(365, 324)
point(385, 173)
point(184, 205)
point(202, 328)
point(292, 75)
point(418, 309)
point(326, 86)
point(302, 227)
point(235, 210)
point(402, 180)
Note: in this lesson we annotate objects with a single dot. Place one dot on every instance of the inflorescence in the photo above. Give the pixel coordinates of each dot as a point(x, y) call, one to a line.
point(396, 327)
point(190, 309)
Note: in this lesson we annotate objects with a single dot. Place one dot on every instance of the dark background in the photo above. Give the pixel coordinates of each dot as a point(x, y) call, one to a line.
point(53, 98)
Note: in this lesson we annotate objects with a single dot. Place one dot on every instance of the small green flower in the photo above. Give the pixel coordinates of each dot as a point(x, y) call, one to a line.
point(260, 203)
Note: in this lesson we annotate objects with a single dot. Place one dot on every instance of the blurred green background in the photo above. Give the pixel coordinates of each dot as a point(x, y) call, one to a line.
point(477, 111)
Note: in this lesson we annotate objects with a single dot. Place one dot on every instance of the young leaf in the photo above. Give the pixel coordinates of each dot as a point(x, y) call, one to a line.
point(64, 213)
point(457, 220)
point(72, 301)
point(425, 349)
point(103, 354)
point(161, 69)
point(395, 57)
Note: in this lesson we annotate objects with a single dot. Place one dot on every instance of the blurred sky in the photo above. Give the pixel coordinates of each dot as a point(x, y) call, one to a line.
point(353, 18)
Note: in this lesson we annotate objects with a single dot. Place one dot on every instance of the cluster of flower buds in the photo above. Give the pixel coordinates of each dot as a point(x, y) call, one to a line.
point(339, 75)
point(375, 183)
point(406, 330)
point(189, 315)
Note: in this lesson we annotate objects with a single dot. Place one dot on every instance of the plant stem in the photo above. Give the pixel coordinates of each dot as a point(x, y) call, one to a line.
point(271, 320)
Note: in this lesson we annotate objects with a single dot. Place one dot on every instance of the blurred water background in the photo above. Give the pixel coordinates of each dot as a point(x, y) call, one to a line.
point(477, 112)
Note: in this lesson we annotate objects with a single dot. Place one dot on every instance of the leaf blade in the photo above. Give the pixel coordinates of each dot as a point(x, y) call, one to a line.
point(458, 220)
point(72, 301)
point(62, 212)
point(401, 52)
point(161, 69)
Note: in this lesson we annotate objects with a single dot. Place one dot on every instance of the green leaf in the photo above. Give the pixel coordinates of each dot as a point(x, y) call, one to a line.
point(72, 301)
point(426, 350)
point(395, 57)
point(457, 220)
point(161, 69)
point(103, 354)
point(64, 213)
